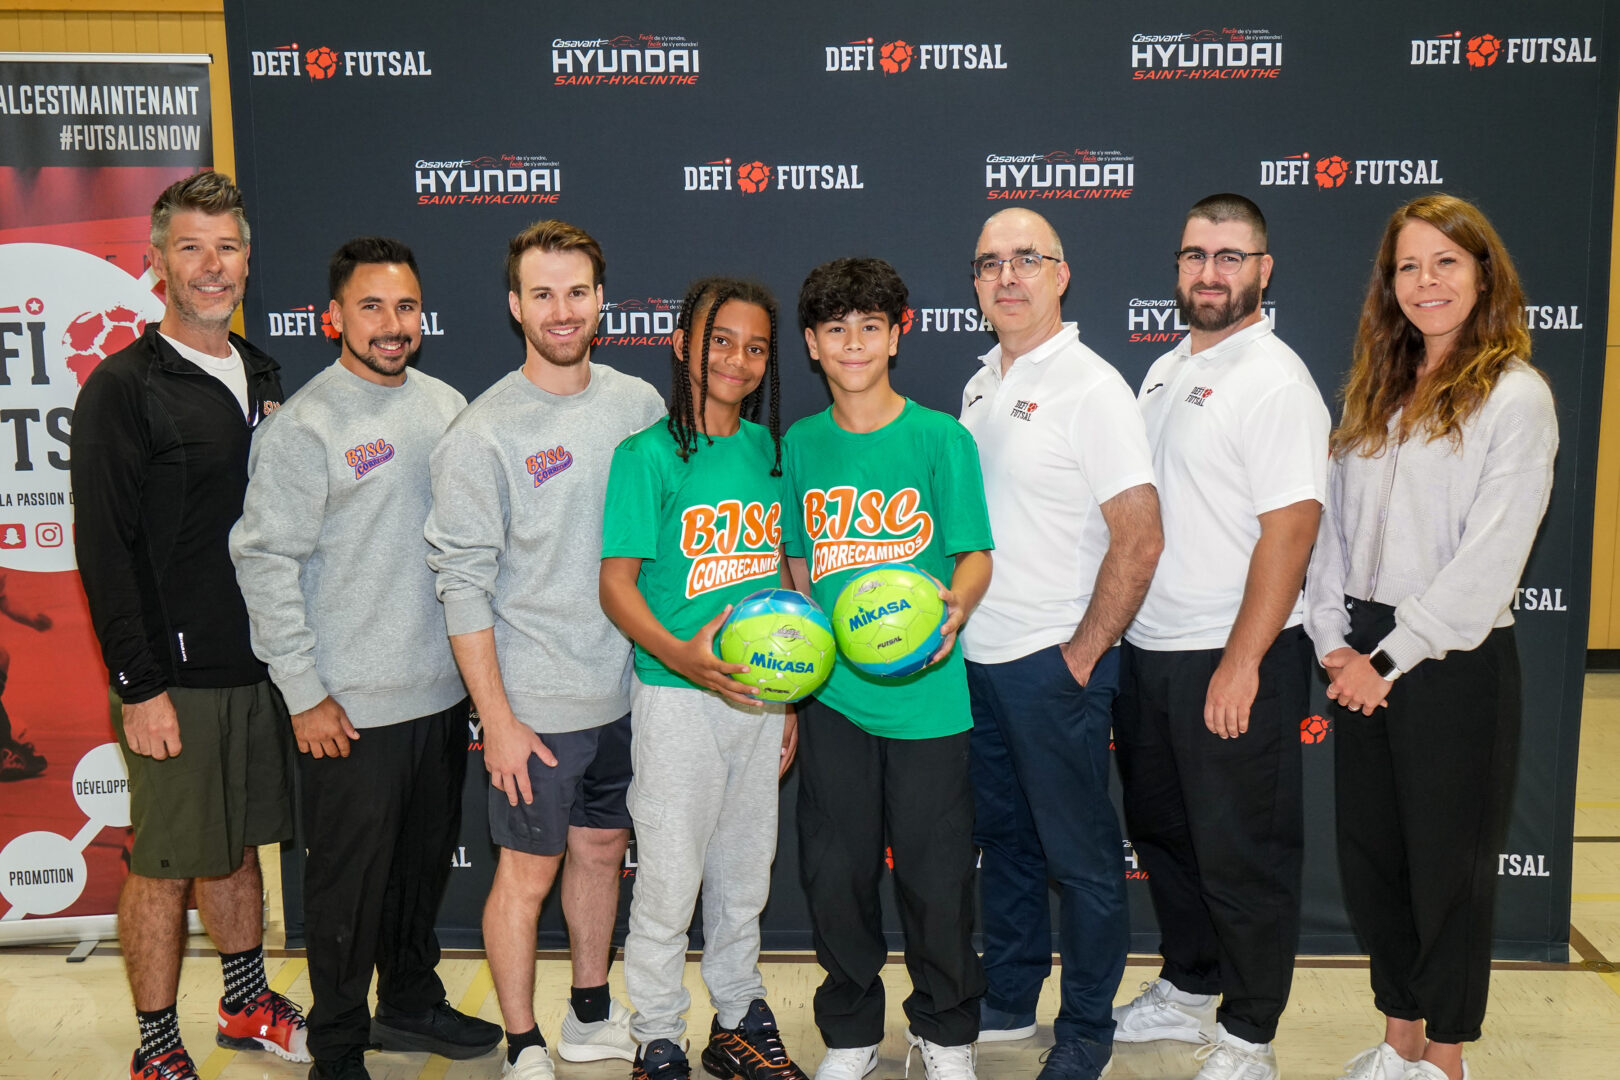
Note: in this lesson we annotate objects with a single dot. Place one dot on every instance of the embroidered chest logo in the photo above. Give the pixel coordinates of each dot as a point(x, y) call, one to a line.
point(1199, 395)
point(730, 542)
point(544, 464)
point(849, 528)
point(1024, 410)
point(367, 456)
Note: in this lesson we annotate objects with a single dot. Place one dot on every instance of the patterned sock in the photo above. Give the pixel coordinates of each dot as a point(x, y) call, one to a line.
point(160, 1032)
point(591, 1003)
point(244, 977)
point(517, 1042)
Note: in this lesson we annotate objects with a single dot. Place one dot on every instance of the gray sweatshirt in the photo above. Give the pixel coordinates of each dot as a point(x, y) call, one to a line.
point(1438, 533)
point(516, 532)
point(329, 550)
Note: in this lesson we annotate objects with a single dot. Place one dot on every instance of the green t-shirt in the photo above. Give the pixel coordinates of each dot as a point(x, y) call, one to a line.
point(706, 529)
point(909, 492)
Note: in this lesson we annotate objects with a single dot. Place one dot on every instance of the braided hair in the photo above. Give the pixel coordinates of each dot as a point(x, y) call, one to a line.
point(710, 295)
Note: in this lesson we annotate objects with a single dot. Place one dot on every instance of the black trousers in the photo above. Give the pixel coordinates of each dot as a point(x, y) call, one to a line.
point(380, 826)
point(1424, 791)
point(858, 792)
point(1219, 824)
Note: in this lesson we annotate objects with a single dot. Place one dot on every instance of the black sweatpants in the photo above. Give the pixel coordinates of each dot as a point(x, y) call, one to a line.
point(858, 792)
point(1219, 824)
point(380, 826)
point(1424, 791)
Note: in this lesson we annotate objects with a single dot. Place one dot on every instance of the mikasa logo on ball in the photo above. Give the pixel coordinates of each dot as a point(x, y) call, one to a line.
point(870, 615)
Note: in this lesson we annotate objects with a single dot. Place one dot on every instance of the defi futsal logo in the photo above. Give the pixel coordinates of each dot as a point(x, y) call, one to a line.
point(625, 60)
point(1330, 171)
point(313, 321)
point(1479, 51)
point(902, 55)
point(637, 320)
point(490, 180)
point(323, 63)
point(751, 176)
point(944, 320)
point(1060, 174)
point(1227, 53)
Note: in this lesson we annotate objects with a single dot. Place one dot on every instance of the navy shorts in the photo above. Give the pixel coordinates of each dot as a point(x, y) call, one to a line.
point(586, 788)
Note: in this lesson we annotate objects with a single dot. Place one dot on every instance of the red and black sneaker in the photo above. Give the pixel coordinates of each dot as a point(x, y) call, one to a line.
point(175, 1065)
point(20, 761)
point(268, 1022)
point(752, 1050)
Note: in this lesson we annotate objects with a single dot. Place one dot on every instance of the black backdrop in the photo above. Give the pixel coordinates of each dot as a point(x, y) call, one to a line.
point(761, 141)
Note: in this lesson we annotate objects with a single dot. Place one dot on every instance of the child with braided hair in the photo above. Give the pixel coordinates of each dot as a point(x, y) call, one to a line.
point(693, 525)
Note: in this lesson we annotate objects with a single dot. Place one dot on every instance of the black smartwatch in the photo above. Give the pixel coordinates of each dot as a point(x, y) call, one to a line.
point(1382, 664)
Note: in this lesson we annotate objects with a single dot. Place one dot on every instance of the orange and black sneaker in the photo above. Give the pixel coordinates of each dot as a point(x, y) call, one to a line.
point(660, 1059)
point(752, 1050)
point(268, 1022)
point(175, 1065)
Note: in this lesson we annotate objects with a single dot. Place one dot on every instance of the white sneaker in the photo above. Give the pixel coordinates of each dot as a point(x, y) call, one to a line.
point(532, 1064)
point(1379, 1063)
point(1231, 1058)
point(1426, 1070)
point(941, 1062)
point(599, 1040)
point(847, 1063)
point(1153, 1015)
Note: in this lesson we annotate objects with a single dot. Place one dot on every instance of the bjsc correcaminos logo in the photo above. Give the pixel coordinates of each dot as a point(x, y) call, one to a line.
point(323, 63)
point(901, 55)
point(1479, 51)
point(1060, 174)
point(1227, 53)
point(1158, 319)
point(490, 180)
point(752, 176)
point(1330, 171)
point(625, 60)
point(637, 320)
point(313, 321)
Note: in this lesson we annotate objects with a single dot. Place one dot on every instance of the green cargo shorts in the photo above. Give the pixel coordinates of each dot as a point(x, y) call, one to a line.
point(229, 788)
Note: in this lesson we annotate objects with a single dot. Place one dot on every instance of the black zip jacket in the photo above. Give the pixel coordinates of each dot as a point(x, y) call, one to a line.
point(159, 465)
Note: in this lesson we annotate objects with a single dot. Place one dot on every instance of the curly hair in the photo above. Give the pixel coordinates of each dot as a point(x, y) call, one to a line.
point(1389, 349)
point(708, 296)
point(836, 288)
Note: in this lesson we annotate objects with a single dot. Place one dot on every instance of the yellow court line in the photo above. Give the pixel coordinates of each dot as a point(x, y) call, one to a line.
point(1613, 979)
point(1595, 897)
point(471, 1002)
point(285, 976)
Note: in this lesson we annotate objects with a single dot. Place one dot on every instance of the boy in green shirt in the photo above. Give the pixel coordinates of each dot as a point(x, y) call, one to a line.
point(877, 478)
point(693, 524)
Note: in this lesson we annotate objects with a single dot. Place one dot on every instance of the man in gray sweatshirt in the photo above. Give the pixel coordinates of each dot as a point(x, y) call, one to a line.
point(516, 531)
point(330, 557)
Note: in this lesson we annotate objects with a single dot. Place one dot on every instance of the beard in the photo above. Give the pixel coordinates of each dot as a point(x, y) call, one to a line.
point(561, 353)
point(184, 304)
point(1219, 316)
point(377, 363)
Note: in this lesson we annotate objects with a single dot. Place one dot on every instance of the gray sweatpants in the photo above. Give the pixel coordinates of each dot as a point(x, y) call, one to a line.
point(703, 799)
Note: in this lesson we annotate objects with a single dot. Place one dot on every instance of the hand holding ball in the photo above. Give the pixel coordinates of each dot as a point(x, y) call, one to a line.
point(888, 620)
point(784, 638)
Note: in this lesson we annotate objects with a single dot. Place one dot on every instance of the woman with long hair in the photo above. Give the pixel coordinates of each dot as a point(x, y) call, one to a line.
point(1441, 470)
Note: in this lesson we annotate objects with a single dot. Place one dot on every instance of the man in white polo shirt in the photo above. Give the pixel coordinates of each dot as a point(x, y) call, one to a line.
point(1217, 666)
point(1069, 483)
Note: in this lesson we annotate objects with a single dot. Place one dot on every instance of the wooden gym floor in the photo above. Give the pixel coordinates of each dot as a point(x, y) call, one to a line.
point(1546, 1020)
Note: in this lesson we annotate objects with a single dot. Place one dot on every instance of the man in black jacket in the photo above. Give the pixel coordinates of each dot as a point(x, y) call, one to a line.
point(159, 465)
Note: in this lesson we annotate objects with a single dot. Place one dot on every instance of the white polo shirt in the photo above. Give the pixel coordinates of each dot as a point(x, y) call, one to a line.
point(1058, 435)
point(1237, 430)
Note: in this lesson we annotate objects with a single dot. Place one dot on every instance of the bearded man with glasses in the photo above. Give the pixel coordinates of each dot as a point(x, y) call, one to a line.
point(1069, 484)
point(1216, 666)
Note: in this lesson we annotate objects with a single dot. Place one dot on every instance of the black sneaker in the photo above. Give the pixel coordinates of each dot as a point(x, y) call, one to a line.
point(660, 1059)
point(440, 1030)
point(351, 1066)
point(19, 761)
point(1076, 1059)
point(752, 1050)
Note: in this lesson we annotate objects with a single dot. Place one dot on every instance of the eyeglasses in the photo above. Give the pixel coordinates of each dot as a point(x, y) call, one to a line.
point(1227, 261)
point(1026, 265)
